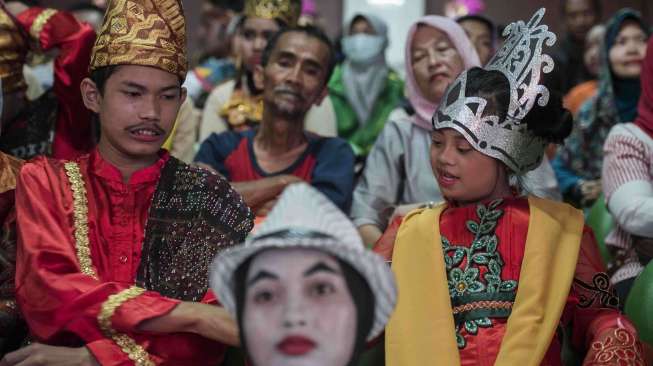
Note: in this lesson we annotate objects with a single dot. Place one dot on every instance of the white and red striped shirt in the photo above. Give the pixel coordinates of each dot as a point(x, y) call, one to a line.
point(628, 187)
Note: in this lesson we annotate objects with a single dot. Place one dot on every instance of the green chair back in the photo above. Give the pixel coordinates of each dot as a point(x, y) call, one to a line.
point(639, 304)
point(601, 222)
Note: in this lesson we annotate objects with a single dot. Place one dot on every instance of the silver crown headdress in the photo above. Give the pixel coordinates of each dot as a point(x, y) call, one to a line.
point(522, 62)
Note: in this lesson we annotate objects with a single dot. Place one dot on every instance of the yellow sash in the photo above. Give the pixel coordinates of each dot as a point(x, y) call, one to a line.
point(421, 330)
point(168, 143)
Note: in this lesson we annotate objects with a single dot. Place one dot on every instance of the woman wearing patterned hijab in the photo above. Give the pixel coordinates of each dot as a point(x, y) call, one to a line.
point(578, 164)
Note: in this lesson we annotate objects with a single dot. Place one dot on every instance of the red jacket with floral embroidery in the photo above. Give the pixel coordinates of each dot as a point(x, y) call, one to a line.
point(591, 312)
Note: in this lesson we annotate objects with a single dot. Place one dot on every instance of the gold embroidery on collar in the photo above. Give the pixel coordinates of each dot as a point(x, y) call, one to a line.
point(134, 351)
point(39, 22)
point(80, 216)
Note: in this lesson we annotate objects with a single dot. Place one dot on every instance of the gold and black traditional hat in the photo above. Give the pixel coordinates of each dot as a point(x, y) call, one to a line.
point(288, 11)
point(13, 52)
point(143, 32)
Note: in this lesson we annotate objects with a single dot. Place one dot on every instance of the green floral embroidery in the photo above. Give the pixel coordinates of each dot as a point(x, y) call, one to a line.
point(464, 280)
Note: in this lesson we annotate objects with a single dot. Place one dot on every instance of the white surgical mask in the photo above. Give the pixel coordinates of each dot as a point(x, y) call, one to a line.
point(362, 48)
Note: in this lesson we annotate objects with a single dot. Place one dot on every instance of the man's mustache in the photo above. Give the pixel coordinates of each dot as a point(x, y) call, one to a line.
point(285, 89)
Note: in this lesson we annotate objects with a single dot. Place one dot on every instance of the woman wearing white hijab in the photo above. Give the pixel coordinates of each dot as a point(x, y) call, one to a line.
point(364, 90)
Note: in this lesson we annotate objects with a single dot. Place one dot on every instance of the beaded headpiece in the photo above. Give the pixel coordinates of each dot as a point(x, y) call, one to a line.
point(522, 62)
point(146, 33)
point(13, 52)
point(287, 11)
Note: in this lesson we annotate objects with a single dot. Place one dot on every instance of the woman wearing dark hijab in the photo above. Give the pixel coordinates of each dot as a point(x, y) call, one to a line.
point(578, 164)
point(628, 186)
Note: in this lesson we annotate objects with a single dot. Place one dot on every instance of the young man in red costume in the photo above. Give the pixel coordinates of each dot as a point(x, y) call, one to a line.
point(120, 239)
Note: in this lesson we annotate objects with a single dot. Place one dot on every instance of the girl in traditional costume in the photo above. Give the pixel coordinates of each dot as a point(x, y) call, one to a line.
point(492, 277)
point(394, 181)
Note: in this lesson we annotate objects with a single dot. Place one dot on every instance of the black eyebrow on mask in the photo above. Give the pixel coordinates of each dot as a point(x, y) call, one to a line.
point(262, 275)
point(320, 267)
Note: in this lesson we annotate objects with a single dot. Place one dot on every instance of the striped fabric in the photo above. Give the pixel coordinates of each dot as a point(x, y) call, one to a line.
point(628, 162)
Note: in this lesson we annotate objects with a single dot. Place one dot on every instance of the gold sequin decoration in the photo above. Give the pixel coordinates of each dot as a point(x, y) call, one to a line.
point(9, 304)
point(134, 351)
point(80, 217)
point(39, 22)
point(485, 305)
point(241, 109)
point(286, 10)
